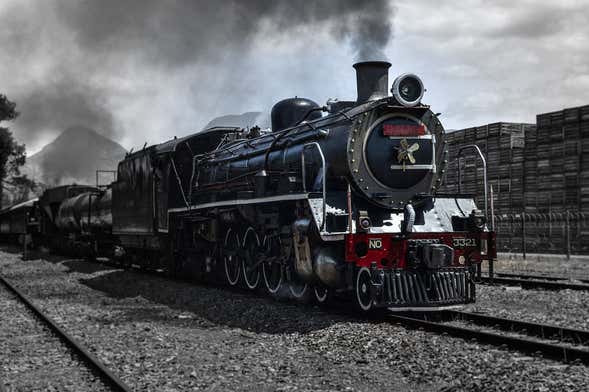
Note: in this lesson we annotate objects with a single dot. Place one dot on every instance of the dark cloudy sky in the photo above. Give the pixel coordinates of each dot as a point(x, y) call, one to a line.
point(147, 70)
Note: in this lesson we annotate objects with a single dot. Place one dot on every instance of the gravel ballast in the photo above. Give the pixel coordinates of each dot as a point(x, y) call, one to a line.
point(577, 267)
point(566, 308)
point(163, 335)
point(34, 359)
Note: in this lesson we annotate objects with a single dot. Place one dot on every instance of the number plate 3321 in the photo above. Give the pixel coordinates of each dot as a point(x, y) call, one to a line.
point(464, 242)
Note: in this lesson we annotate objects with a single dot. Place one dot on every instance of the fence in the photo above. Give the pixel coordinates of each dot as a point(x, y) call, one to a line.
point(562, 232)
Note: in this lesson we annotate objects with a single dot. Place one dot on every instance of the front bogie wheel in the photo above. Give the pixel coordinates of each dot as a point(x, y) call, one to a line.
point(363, 293)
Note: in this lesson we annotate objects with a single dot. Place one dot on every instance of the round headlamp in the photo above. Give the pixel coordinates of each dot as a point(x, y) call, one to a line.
point(408, 90)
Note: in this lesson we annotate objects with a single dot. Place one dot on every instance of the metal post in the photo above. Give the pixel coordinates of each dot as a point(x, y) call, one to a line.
point(491, 261)
point(492, 208)
point(459, 175)
point(568, 234)
point(24, 240)
point(524, 235)
point(491, 270)
point(550, 218)
point(511, 232)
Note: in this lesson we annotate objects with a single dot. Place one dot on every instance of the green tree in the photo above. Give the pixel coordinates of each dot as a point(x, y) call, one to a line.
point(12, 154)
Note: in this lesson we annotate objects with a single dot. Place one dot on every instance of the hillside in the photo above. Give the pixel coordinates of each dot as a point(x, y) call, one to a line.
point(73, 157)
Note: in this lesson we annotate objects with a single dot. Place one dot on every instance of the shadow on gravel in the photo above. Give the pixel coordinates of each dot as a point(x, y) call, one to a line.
point(36, 254)
point(218, 305)
point(8, 248)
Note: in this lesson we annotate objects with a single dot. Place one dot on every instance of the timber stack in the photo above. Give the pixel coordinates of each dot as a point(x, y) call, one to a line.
point(503, 145)
point(557, 181)
point(540, 178)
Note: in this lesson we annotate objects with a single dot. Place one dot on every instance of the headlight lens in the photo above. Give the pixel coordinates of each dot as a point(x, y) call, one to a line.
point(408, 89)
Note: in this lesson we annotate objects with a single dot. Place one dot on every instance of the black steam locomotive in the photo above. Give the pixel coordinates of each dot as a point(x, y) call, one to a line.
point(344, 203)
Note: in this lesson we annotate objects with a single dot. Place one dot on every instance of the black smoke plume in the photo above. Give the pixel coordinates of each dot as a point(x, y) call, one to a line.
point(70, 56)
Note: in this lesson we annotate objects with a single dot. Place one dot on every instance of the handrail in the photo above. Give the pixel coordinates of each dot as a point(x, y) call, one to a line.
point(478, 150)
point(323, 170)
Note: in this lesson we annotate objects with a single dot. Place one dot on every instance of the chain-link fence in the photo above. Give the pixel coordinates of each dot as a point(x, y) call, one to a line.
point(558, 232)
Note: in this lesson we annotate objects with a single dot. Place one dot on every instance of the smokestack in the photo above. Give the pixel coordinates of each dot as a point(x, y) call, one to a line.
point(372, 80)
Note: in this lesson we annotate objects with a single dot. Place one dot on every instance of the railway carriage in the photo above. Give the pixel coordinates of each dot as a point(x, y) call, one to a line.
point(75, 219)
point(18, 221)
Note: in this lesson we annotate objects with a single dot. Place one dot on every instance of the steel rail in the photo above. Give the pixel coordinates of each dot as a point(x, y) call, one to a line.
point(549, 350)
point(541, 277)
point(544, 331)
point(107, 376)
point(531, 283)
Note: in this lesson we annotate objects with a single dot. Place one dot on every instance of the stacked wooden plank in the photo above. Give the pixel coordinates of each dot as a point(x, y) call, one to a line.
point(503, 146)
point(539, 169)
point(557, 179)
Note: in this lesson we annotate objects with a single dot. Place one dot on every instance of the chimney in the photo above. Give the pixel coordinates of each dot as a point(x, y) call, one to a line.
point(372, 80)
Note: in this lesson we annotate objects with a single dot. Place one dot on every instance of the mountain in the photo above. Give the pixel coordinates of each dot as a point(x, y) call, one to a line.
point(73, 157)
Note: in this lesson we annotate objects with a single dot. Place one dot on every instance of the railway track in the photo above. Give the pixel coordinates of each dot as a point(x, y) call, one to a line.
point(539, 277)
point(558, 343)
point(56, 351)
point(562, 344)
point(535, 282)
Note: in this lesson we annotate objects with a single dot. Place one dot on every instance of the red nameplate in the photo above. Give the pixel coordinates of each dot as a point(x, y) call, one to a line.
point(403, 130)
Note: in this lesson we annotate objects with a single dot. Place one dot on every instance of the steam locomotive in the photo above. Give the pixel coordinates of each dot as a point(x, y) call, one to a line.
point(344, 203)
